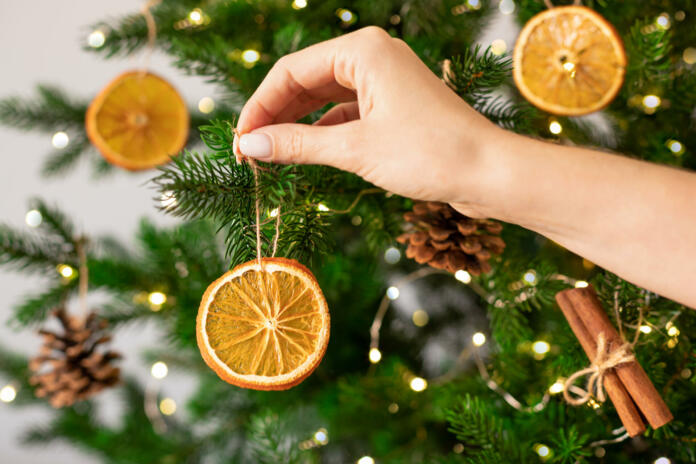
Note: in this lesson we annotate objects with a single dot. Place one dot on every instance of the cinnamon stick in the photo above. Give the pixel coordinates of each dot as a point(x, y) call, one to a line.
point(588, 308)
point(625, 407)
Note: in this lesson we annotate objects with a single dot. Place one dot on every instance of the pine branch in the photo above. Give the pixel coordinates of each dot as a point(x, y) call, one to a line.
point(518, 117)
point(481, 432)
point(36, 309)
point(476, 75)
point(648, 51)
point(51, 110)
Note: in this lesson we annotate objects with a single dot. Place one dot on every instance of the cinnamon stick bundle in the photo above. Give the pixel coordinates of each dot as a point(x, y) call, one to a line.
point(627, 385)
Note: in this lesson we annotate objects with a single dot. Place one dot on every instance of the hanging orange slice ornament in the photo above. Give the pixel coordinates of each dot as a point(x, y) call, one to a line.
point(264, 326)
point(138, 121)
point(569, 61)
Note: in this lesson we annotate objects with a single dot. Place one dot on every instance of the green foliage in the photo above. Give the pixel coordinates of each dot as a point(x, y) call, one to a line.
point(481, 433)
point(648, 48)
point(341, 225)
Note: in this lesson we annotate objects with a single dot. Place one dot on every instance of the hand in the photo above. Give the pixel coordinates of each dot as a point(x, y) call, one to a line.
point(397, 125)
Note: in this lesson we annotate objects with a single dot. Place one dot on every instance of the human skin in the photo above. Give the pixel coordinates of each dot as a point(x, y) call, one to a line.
point(400, 127)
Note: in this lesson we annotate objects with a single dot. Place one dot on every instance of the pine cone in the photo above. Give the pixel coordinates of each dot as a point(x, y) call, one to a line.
point(69, 368)
point(446, 239)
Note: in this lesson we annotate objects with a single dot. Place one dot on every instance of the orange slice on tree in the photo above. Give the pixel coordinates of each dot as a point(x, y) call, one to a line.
point(569, 61)
point(264, 326)
point(138, 121)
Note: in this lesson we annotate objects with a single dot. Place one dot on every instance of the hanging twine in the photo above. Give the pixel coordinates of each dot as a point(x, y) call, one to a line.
point(605, 359)
point(551, 5)
point(80, 245)
point(151, 29)
point(257, 205)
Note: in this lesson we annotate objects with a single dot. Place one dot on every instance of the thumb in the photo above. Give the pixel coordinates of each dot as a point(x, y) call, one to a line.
point(302, 144)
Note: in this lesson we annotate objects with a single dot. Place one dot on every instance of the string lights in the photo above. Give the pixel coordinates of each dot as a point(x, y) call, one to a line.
point(8, 393)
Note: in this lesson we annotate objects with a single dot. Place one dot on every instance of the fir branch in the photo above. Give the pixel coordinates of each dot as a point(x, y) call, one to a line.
point(518, 117)
point(475, 75)
point(481, 432)
point(648, 49)
point(51, 110)
point(55, 223)
point(36, 309)
point(30, 252)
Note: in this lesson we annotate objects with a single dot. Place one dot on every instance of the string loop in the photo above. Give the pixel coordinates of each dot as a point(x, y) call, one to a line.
point(604, 360)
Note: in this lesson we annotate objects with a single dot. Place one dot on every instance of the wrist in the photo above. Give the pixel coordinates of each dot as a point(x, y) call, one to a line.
point(490, 172)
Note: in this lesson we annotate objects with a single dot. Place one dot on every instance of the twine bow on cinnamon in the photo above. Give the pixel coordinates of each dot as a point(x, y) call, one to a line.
point(605, 359)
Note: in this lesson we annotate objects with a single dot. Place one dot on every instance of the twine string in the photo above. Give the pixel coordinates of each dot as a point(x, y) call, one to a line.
point(257, 205)
point(604, 360)
point(151, 29)
point(80, 245)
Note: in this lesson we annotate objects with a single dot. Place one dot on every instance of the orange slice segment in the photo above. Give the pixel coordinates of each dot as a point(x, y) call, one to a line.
point(264, 327)
point(138, 121)
point(569, 61)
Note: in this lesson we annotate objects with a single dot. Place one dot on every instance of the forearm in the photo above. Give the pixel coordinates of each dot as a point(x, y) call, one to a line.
point(633, 218)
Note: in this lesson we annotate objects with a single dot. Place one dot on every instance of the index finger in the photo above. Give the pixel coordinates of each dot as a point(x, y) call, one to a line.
point(320, 65)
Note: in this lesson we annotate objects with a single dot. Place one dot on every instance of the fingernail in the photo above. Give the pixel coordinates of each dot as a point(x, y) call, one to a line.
point(256, 146)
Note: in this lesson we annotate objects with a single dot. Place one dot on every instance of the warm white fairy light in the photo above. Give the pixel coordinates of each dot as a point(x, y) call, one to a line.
point(393, 408)
point(663, 21)
point(8, 393)
point(675, 146)
point(556, 387)
point(462, 276)
point(60, 140)
point(651, 102)
point(196, 16)
point(299, 4)
point(498, 47)
point(542, 450)
point(689, 55)
point(321, 436)
point(541, 347)
point(478, 339)
point(322, 207)
point(65, 270)
point(646, 329)
point(673, 331)
point(156, 300)
point(274, 212)
point(250, 56)
point(392, 293)
point(167, 406)
point(206, 105)
point(346, 16)
point(366, 460)
point(418, 384)
point(392, 255)
point(555, 127)
point(159, 370)
point(33, 218)
point(530, 277)
point(581, 284)
point(168, 200)
point(420, 318)
point(663, 460)
point(506, 6)
point(375, 355)
point(96, 38)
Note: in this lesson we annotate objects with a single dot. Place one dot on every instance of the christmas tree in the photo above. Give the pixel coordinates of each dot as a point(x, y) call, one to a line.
point(456, 359)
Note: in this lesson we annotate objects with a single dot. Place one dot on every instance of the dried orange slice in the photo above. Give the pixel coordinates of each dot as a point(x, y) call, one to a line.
point(264, 326)
point(138, 121)
point(569, 61)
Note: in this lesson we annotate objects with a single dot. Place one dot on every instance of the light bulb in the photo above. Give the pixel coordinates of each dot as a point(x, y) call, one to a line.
point(478, 339)
point(418, 384)
point(375, 355)
point(159, 370)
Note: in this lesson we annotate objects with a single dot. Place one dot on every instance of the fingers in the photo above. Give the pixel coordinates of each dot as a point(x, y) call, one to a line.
point(303, 144)
point(311, 100)
point(340, 61)
point(345, 112)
